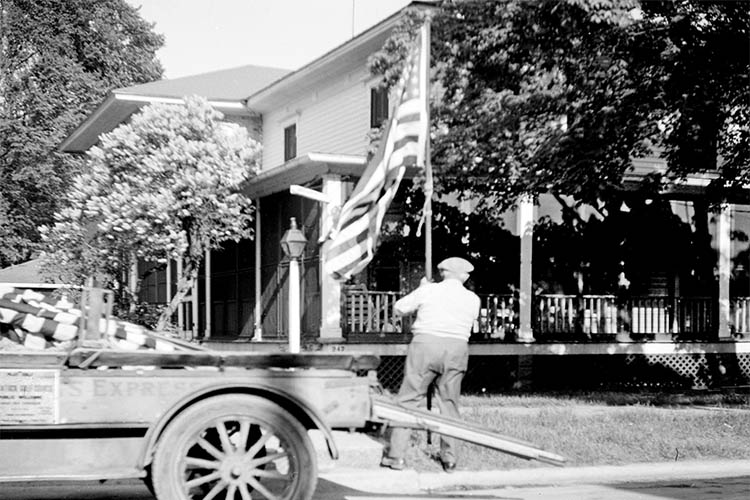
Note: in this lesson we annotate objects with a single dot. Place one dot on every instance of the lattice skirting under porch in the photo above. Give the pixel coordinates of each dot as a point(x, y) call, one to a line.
point(675, 371)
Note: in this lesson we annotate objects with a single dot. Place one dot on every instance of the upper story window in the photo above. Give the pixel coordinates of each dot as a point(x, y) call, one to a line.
point(378, 106)
point(290, 142)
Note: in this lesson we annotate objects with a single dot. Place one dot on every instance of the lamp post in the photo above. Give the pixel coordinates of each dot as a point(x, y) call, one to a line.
point(293, 243)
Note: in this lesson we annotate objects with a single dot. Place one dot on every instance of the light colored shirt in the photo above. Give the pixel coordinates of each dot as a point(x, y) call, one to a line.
point(445, 309)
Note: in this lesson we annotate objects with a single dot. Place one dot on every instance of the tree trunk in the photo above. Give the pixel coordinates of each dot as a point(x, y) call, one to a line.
point(189, 275)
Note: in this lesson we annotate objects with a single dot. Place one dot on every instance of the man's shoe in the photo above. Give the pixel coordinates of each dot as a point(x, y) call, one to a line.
point(393, 463)
point(448, 466)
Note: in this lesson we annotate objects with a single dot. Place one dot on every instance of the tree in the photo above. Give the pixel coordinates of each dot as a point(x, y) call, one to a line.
point(58, 60)
point(558, 96)
point(163, 186)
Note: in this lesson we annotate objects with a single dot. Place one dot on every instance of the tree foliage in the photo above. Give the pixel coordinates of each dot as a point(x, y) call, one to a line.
point(163, 186)
point(58, 59)
point(560, 95)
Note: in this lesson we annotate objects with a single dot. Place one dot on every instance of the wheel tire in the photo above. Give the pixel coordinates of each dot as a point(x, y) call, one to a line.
point(234, 446)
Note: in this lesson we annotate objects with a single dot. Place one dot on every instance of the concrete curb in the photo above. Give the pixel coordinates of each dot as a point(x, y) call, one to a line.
point(379, 480)
point(356, 451)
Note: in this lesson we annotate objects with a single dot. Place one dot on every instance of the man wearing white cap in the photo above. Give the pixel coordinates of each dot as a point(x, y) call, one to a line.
point(438, 352)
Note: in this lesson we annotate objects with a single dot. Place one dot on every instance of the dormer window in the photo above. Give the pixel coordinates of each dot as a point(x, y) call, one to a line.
point(290, 142)
point(378, 106)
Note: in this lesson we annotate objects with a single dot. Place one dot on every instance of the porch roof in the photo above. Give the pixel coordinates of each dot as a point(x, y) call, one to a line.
point(303, 170)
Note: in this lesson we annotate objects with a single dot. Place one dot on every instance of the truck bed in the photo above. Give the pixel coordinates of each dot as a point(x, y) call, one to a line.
point(83, 357)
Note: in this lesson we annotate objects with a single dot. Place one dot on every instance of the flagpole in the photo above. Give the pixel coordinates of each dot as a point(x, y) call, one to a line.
point(427, 162)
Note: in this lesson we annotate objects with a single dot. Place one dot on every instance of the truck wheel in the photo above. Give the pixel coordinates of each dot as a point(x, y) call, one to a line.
point(234, 447)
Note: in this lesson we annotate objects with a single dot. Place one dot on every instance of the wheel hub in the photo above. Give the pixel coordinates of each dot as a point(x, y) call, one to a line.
point(233, 468)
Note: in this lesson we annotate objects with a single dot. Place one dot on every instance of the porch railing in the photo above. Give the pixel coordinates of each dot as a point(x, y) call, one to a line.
point(370, 312)
point(570, 314)
point(562, 317)
point(596, 315)
point(366, 312)
point(498, 317)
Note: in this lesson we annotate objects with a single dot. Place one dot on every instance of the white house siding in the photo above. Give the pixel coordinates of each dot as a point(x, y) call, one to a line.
point(333, 117)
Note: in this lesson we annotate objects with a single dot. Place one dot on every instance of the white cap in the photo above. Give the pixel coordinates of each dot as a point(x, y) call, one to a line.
point(456, 265)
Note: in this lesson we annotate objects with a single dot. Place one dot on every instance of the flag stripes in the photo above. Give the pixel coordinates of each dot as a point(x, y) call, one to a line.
point(355, 236)
point(40, 320)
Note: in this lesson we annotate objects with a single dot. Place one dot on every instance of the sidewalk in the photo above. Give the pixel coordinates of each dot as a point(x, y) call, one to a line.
point(380, 480)
point(358, 469)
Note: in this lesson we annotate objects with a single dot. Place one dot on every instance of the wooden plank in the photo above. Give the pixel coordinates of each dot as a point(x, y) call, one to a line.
point(319, 361)
point(106, 357)
point(402, 416)
point(190, 346)
point(30, 359)
point(109, 357)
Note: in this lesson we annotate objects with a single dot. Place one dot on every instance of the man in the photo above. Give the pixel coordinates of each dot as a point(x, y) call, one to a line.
point(438, 352)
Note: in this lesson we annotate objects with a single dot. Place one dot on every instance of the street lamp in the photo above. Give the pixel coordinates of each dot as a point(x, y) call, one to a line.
point(293, 243)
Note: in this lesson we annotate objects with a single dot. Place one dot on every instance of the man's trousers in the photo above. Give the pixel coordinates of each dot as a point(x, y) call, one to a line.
point(443, 361)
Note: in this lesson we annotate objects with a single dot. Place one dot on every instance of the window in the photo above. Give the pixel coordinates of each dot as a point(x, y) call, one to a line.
point(290, 142)
point(378, 106)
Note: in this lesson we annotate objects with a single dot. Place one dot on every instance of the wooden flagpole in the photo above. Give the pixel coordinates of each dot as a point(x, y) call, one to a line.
point(427, 161)
point(427, 211)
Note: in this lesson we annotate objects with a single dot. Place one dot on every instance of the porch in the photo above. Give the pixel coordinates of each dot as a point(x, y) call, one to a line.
point(586, 341)
point(563, 318)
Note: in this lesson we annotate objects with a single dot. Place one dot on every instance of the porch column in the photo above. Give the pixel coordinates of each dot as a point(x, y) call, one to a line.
point(180, 308)
point(525, 215)
point(194, 309)
point(133, 280)
point(724, 247)
point(258, 326)
point(208, 305)
point(330, 289)
point(169, 280)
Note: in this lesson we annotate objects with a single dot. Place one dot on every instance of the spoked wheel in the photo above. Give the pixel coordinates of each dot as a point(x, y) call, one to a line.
point(234, 447)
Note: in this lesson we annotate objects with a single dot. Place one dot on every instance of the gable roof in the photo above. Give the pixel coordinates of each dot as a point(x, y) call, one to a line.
point(224, 90)
point(25, 272)
point(246, 90)
point(232, 84)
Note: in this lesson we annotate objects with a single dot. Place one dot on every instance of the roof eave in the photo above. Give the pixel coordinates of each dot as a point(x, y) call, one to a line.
point(303, 170)
point(308, 168)
point(118, 107)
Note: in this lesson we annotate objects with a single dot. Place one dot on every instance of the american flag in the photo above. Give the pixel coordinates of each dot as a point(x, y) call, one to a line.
point(355, 235)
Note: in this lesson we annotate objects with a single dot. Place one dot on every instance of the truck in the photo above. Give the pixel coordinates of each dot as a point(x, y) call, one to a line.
point(191, 422)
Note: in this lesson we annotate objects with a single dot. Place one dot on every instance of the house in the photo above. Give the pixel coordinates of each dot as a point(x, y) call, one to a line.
point(674, 283)
point(26, 275)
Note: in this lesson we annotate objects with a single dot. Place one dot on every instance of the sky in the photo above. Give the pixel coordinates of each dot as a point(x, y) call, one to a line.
point(208, 35)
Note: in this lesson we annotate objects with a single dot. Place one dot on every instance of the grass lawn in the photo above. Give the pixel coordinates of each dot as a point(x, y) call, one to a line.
point(602, 428)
